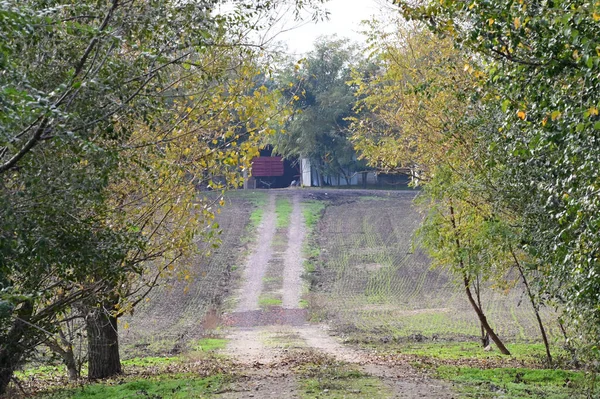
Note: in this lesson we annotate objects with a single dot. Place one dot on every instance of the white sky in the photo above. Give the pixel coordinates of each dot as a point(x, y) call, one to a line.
point(344, 20)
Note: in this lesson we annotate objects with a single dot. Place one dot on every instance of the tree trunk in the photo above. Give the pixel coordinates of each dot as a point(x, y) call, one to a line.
point(485, 338)
point(483, 319)
point(536, 307)
point(478, 310)
point(67, 355)
point(103, 345)
point(11, 351)
point(568, 345)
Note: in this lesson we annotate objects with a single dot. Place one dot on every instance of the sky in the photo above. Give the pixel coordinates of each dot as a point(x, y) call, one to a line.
point(344, 20)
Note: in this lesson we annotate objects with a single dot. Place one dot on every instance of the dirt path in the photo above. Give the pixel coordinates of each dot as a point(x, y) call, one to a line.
point(293, 261)
point(262, 339)
point(256, 266)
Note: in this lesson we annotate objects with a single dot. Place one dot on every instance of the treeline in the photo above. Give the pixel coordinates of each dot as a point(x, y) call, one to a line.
point(495, 106)
point(112, 115)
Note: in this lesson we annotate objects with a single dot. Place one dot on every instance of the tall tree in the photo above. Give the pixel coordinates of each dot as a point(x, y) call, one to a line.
point(80, 81)
point(543, 64)
point(417, 114)
point(324, 102)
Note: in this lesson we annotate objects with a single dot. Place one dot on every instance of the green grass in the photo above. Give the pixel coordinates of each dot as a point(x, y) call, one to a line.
point(41, 372)
point(515, 383)
point(267, 301)
point(283, 210)
point(163, 387)
point(150, 361)
point(210, 344)
point(312, 211)
point(259, 200)
point(534, 352)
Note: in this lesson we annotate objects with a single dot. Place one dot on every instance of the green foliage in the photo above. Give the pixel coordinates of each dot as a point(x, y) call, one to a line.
point(323, 101)
point(541, 66)
point(113, 114)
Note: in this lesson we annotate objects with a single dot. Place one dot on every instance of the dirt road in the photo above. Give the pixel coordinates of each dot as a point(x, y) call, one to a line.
point(262, 337)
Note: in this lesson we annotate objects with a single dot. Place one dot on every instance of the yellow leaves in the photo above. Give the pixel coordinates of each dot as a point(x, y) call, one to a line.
point(491, 21)
point(592, 111)
point(517, 22)
point(296, 98)
point(521, 115)
point(555, 115)
point(545, 121)
point(596, 16)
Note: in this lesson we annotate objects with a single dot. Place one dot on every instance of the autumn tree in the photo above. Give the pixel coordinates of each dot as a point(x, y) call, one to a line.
point(417, 114)
point(95, 127)
point(542, 69)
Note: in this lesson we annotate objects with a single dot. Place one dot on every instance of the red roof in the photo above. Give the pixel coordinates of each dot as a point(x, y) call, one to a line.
point(267, 166)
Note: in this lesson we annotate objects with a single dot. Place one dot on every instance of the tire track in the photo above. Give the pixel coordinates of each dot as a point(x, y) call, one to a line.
point(257, 263)
point(293, 260)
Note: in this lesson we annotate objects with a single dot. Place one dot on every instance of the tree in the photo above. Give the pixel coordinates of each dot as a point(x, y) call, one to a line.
point(418, 114)
point(542, 65)
point(80, 81)
point(319, 130)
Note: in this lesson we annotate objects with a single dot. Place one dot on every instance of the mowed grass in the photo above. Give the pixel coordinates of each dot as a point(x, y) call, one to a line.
point(529, 353)
point(210, 344)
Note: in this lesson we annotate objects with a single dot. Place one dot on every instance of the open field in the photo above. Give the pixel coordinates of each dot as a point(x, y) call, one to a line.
point(182, 311)
point(373, 282)
point(321, 293)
